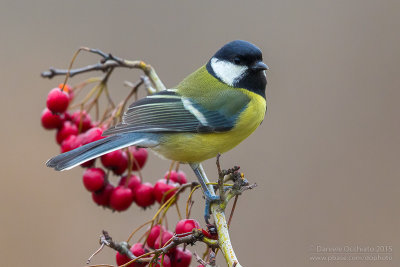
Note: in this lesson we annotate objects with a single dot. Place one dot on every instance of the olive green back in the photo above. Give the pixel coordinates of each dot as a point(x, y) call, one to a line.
point(213, 94)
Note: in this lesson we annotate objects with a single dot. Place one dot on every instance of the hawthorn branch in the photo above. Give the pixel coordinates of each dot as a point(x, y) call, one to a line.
point(123, 247)
point(196, 236)
point(218, 208)
point(108, 62)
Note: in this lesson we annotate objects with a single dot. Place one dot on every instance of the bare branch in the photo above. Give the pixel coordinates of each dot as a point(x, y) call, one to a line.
point(107, 62)
point(123, 247)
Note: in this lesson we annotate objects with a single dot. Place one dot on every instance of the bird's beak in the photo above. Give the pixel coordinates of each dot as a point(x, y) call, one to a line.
point(259, 66)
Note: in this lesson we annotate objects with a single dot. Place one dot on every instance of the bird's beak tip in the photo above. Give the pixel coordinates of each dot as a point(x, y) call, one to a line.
point(260, 66)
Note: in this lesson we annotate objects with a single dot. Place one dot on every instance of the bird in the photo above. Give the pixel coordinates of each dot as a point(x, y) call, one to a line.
point(209, 112)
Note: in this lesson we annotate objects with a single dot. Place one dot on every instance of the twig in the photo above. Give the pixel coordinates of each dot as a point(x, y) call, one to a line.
point(219, 165)
point(189, 201)
point(234, 193)
point(170, 170)
point(135, 87)
point(178, 210)
point(147, 84)
point(218, 209)
point(102, 244)
point(220, 180)
point(107, 62)
point(232, 211)
point(212, 259)
point(211, 263)
point(137, 229)
point(171, 199)
point(199, 259)
point(123, 247)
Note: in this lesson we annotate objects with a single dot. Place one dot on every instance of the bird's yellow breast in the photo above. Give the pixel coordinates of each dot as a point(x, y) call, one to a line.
point(197, 147)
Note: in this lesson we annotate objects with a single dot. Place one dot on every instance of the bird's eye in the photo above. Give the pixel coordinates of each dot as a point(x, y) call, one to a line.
point(237, 60)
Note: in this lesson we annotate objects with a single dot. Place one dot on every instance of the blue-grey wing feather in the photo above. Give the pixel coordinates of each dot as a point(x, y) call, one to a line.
point(169, 112)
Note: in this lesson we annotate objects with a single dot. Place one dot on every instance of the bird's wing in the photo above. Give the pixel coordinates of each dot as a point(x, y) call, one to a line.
point(168, 111)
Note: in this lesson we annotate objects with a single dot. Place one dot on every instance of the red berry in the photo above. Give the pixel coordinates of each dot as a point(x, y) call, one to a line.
point(153, 235)
point(67, 89)
point(117, 161)
point(75, 141)
point(70, 143)
point(133, 182)
point(162, 187)
point(121, 259)
point(67, 116)
point(57, 100)
point(89, 136)
point(140, 155)
point(181, 258)
point(93, 179)
point(83, 118)
point(166, 261)
point(92, 135)
point(186, 226)
point(138, 250)
point(102, 197)
point(67, 129)
point(121, 198)
point(88, 164)
point(144, 195)
point(50, 120)
point(177, 177)
point(162, 239)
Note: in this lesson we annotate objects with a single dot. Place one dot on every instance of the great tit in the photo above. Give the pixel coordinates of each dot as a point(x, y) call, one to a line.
point(209, 112)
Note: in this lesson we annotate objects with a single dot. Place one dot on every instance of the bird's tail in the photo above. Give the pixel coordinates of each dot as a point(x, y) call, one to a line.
point(75, 157)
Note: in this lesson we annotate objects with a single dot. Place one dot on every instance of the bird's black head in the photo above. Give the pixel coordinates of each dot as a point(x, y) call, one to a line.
point(239, 64)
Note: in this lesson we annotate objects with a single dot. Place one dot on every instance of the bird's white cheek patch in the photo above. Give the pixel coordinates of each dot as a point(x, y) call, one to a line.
point(227, 71)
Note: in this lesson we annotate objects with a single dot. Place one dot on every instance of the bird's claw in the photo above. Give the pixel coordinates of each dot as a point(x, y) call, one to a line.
point(209, 200)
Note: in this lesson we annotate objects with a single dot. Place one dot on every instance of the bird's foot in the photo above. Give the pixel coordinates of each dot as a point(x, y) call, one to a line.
point(209, 200)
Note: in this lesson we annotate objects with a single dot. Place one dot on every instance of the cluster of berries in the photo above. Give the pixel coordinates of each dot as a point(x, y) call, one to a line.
point(77, 130)
point(130, 189)
point(157, 238)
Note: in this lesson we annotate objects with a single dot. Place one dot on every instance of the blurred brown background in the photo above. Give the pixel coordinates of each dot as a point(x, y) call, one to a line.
point(326, 158)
